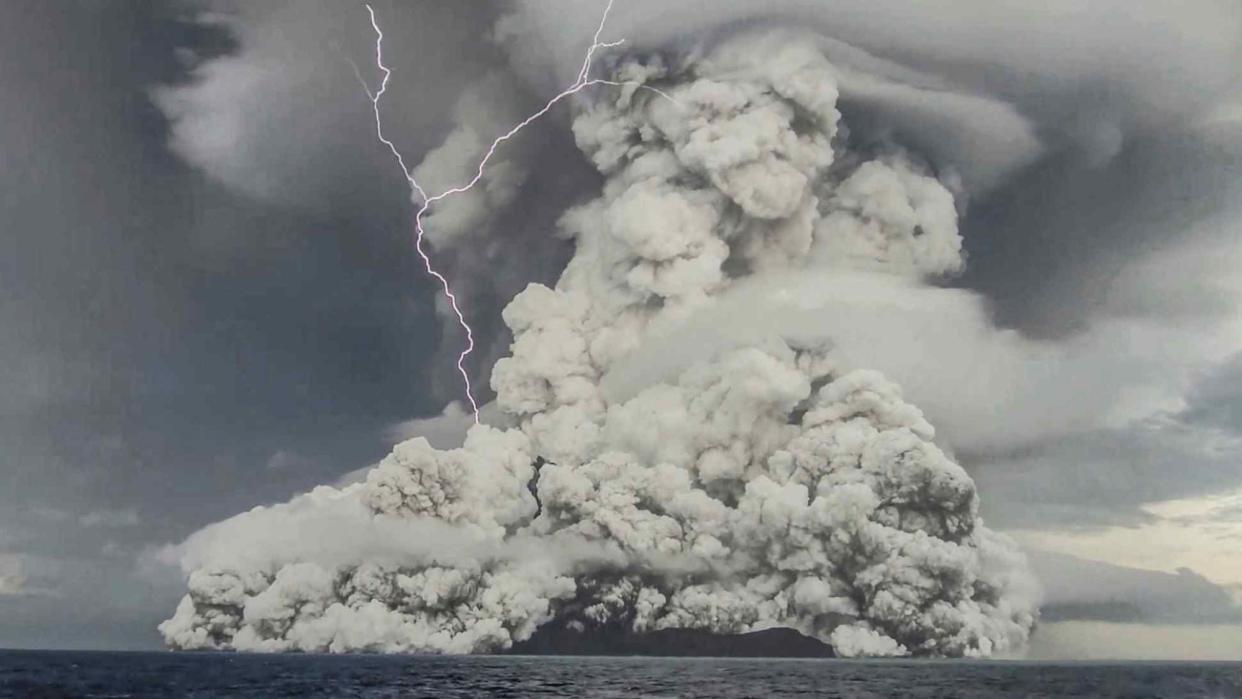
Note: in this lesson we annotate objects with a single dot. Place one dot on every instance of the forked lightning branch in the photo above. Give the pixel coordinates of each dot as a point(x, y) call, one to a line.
point(583, 81)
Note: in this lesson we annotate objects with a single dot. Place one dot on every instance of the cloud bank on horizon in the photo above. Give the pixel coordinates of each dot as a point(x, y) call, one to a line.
point(708, 420)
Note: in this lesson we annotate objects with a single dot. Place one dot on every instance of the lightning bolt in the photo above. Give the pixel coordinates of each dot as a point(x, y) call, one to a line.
point(583, 81)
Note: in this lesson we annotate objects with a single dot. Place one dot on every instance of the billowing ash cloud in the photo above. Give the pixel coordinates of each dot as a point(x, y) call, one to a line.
point(768, 481)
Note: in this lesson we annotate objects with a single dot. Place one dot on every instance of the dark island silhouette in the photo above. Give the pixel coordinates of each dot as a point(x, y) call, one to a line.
point(563, 639)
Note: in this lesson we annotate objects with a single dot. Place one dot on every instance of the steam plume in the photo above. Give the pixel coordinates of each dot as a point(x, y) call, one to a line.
point(766, 483)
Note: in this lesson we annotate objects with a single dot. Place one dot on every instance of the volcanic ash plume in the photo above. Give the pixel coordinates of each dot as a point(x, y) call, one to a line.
point(759, 485)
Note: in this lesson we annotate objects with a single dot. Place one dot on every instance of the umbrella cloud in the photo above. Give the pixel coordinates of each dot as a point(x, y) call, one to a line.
point(769, 481)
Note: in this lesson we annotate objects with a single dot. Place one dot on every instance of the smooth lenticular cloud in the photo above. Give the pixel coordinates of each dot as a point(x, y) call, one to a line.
point(1077, 70)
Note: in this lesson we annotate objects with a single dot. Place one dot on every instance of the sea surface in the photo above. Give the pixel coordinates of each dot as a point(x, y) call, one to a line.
point(97, 674)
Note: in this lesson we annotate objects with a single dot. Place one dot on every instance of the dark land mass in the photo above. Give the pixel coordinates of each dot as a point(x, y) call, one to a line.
point(552, 639)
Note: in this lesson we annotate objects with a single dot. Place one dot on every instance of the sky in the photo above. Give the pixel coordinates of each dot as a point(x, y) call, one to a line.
point(211, 301)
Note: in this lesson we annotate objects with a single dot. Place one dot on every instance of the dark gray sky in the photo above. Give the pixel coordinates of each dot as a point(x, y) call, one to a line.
point(186, 336)
point(172, 352)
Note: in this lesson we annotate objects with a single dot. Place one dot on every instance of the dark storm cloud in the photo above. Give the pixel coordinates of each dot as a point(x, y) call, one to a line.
point(1148, 237)
point(1216, 401)
point(1077, 127)
point(166, 338)
point(1047, 248)
point(285, 119)
point(1103, 478)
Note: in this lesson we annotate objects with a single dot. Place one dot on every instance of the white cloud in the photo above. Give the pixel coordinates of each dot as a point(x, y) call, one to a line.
point(988, 390)
point(444, 431)
point(285, 117)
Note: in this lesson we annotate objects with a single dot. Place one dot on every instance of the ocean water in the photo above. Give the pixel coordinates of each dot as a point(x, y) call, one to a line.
point(83, 674)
